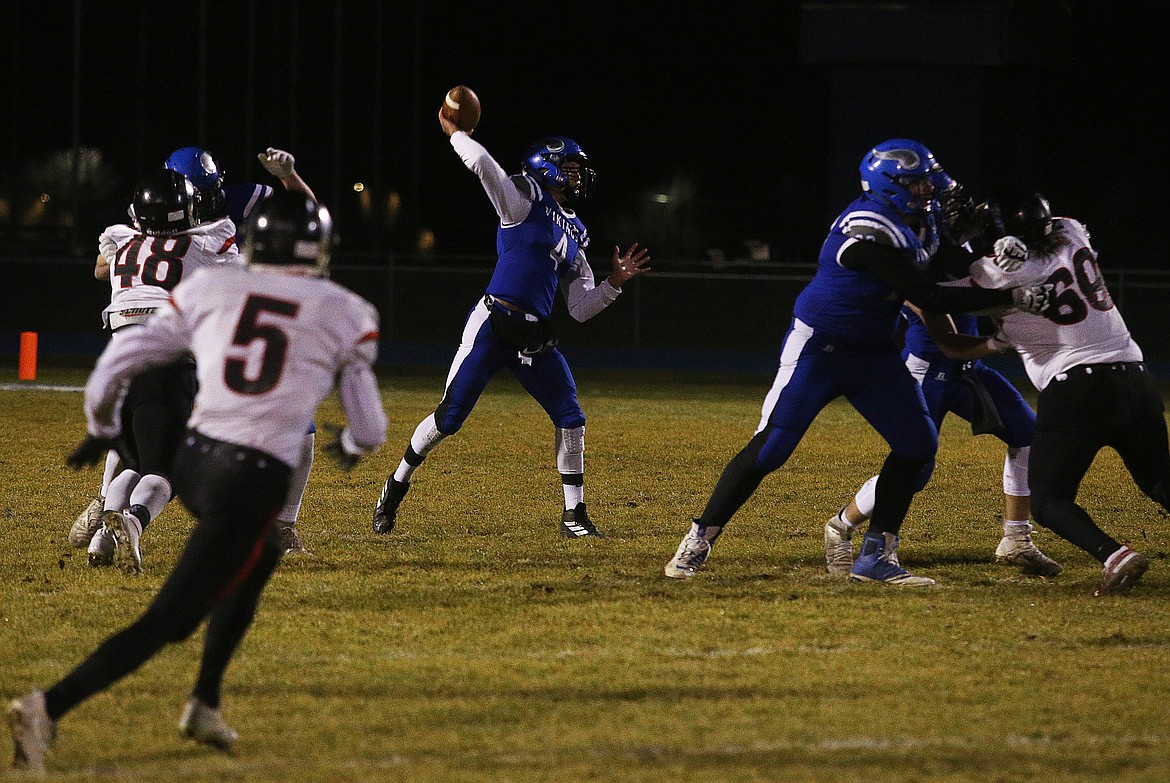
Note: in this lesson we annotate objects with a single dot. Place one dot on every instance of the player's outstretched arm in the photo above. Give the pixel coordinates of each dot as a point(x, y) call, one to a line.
point(282, 165)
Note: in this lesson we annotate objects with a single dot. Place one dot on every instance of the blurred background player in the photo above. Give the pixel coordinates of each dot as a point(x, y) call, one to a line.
point(842, 344)
point(1095, 390)
point(242, 445)
point(146, 261)
point(510, 327)
point(970, 389)
point(215, 200)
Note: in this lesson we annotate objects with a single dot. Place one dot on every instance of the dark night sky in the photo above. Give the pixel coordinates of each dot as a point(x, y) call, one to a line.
point(708, 100)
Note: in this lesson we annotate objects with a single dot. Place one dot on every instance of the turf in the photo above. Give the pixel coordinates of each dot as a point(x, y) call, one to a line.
point(474, 644)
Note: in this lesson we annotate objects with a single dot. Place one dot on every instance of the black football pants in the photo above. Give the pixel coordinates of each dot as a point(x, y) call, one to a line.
point(1089, 408)
point(235, 494)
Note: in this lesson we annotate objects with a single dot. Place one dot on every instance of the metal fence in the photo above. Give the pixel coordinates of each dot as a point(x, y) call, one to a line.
point(682, 314)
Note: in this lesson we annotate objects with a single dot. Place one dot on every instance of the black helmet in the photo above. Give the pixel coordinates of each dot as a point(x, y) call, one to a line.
point(290, 229)
point(164, 204)
point(1027, 215)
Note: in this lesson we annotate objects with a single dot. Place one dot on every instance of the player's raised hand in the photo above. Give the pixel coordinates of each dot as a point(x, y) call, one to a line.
point(1010, 253)
point(278, 163)
point(628, 265)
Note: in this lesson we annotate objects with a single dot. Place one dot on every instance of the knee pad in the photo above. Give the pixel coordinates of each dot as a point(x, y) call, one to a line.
point(571, 449)
point(427, 436)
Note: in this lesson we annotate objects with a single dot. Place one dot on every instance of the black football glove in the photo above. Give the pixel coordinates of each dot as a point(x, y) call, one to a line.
point(91, 450)
point(336, 451)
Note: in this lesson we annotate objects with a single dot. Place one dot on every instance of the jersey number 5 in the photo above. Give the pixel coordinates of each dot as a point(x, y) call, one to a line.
point(275, 345)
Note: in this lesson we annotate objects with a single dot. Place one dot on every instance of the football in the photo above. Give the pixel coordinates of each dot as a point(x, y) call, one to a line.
point(461, 106)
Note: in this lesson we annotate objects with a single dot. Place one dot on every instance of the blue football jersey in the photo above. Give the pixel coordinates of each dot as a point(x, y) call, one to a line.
point(855, 306)
point(536, 253)
point(239, 200)
point(918, 340)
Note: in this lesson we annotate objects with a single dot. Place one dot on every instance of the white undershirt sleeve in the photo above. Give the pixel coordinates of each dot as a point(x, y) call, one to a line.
point(511, 204)
point(357, 387)
point(583, 298)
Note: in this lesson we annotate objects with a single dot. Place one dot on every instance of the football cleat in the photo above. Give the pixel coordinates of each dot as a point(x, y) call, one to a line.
point(878, 562)
point(1020, 550)
point(100, 551)
point(127, 532)
point(386, 512)
point(290, 540)
point(838, 545)
point(1123, 569)
point(692, 551)
point(32, 732)
point(206, 725)
point(86, 524)
point(575, 523)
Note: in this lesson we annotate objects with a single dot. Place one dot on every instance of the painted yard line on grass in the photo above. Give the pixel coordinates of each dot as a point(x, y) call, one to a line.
point(39, 387)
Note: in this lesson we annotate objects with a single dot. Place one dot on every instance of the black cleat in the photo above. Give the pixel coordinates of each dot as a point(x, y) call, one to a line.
point(575, 523)
point(387, 509)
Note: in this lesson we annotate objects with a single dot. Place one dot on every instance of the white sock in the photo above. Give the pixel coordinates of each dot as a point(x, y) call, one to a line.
point(153, 492)
point(1012, 527)
point(113, 462)
point(574, 494)
point(297, 483)
point(118, 493)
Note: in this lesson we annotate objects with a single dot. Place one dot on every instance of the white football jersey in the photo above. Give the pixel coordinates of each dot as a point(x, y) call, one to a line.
point(1082, 325)
point(145, 269)
point(268, 349)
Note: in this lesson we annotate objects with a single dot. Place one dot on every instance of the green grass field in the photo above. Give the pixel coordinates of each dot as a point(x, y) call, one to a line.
point(474, 644)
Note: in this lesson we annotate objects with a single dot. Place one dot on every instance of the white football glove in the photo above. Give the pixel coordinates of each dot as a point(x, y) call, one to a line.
point(108, 248)
point(1034, 299)
point(1010, 253)
point(278, 162)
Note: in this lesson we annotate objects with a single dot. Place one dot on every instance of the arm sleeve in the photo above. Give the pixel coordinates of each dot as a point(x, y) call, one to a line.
point(357, 388)
point(160, 340)
point(583, 298)
point(511, 204)
point(895, 267)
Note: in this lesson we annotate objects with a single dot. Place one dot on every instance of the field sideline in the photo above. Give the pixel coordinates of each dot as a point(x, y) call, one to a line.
point(474, 644)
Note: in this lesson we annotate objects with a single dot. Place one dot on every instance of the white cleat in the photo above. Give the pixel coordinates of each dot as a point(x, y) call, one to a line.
point(290, 540)
point(838, 546)
point(100, 551)
point(87, 523)
point(1020, 550)
point(206, 725)
point(127, 532)
point(692, 551)
point(32, 732)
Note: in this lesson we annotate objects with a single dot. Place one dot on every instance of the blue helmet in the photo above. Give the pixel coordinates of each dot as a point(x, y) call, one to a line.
point(903, 174)
point(545, 162)
point(199, 166)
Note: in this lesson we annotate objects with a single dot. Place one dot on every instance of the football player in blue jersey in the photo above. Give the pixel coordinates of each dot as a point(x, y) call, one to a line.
point(841, 343)
point(217, 198)
point(540, 243)
point(971, 390)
